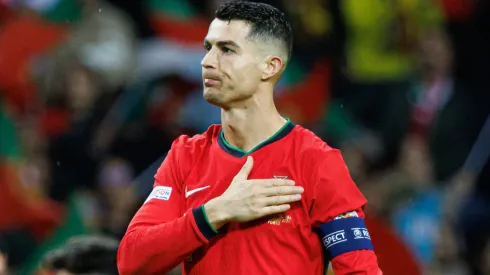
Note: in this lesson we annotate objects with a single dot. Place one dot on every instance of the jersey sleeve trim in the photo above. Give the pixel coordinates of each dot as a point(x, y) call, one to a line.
point(207, 220)
point(344, 235)
point(203, 224)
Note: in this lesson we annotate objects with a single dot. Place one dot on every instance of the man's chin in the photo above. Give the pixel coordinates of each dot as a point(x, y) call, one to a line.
point(213, 96)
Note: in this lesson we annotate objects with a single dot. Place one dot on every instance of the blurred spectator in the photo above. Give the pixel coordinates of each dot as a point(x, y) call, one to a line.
point(136, 10)
point(380, 63)
point(115, 180)
point(73, 162)
point(103, 42)
point(447, 257)
point(96, 60)
point(84, 255)
point(27, 217)
point(418, 220)
point(17, 87)
point(458, 142)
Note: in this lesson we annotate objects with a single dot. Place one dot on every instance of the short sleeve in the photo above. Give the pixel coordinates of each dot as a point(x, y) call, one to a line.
point(334, 192)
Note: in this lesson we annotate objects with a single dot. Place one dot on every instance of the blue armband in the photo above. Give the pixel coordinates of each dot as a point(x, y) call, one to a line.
point(344, 235)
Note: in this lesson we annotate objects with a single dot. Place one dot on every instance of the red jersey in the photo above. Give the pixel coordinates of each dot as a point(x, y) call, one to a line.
point(171, 228)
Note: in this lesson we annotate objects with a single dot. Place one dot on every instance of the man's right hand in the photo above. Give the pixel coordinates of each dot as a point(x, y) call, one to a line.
point(247, 200)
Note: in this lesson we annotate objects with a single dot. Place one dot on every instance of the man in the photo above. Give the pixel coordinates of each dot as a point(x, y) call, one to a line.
point(247, 196)
point(84, 255)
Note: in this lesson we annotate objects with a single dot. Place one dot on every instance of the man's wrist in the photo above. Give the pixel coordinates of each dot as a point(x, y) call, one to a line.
point(216, 214)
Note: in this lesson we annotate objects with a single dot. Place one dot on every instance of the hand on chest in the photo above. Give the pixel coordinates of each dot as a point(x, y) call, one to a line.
point(211, 179)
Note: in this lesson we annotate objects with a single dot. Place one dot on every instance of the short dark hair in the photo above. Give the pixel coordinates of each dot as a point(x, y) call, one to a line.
point(265, 20)
point(85, 255)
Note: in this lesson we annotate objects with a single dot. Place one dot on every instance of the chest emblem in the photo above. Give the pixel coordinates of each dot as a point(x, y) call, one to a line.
point(279, 219)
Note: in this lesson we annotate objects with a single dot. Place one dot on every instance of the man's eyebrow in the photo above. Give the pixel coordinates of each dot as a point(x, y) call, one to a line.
point(223, 43)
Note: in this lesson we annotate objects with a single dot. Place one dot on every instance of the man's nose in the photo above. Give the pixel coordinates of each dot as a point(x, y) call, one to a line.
point(210, 60)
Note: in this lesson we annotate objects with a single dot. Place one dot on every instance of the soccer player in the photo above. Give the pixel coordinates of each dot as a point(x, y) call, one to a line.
point(256, 194)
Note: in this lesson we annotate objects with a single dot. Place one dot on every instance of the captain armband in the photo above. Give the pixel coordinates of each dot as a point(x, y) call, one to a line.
point(344, 235)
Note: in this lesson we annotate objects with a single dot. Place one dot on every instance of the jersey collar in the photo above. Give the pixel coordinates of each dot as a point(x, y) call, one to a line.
point(237, 152)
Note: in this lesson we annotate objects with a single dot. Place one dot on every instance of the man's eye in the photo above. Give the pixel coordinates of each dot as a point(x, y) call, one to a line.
point(227, 50)
point(207, 48)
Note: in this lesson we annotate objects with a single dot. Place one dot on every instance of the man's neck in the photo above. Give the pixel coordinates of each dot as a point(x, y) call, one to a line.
point(247, 127)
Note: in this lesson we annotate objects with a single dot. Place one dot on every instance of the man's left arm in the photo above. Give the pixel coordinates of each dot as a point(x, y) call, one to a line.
point(337, 215)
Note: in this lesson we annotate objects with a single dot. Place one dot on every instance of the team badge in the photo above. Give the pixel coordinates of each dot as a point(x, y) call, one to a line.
point(279, 219)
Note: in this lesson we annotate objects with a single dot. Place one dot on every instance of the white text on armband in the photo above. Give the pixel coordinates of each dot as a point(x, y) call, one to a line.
point(344, 235)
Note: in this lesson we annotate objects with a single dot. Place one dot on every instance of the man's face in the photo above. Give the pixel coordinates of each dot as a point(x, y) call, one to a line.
point(232, 65)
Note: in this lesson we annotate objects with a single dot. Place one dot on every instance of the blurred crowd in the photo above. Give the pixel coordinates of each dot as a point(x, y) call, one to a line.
point(93, 92)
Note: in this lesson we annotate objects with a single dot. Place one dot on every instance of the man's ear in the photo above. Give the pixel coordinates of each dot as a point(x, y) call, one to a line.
point(273, 66)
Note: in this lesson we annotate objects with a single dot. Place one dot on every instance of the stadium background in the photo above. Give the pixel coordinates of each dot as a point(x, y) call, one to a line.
point(93, 92)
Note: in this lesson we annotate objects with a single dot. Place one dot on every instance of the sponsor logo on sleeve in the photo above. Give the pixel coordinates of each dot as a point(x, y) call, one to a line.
point(161, 193)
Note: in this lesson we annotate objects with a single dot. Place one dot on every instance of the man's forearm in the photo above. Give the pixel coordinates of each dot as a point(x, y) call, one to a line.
point(157, 249)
